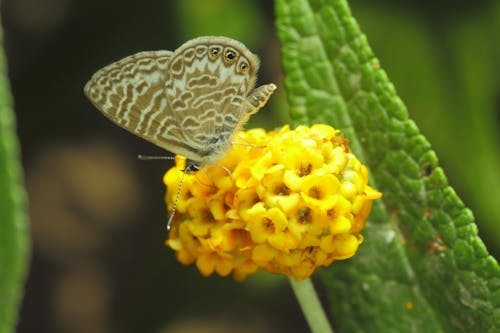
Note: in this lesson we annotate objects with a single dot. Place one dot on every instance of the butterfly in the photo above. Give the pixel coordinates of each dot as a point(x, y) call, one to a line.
point(190, 101)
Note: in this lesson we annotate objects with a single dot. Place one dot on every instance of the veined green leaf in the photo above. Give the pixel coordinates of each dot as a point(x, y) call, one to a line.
point(422, 267)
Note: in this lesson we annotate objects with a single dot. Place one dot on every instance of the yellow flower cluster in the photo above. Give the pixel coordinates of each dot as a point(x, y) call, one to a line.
point(287, 201)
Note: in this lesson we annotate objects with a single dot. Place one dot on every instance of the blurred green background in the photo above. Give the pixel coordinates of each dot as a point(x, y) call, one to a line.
point(97, 213)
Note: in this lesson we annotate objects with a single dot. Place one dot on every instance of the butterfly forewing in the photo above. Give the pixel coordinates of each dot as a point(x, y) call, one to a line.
point(130, 92)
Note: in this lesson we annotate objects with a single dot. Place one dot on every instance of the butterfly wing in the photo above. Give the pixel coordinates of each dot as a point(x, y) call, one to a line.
point(205, 93)
point(131, 93)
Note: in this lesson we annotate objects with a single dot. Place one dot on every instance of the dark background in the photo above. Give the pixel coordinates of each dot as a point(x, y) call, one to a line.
point(98, 215)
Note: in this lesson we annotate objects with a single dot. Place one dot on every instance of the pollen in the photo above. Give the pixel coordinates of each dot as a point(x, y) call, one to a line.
point(285, 201)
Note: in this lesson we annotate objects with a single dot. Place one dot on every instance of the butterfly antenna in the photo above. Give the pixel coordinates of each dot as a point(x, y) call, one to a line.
point(174, 208)
point(223, 167)
point(151, 158)
point(244, 144)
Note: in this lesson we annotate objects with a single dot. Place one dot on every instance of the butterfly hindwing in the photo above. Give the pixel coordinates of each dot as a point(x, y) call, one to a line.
point(206, 91)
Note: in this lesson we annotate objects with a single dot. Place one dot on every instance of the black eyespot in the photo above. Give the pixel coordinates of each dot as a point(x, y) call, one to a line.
point(214, 52)
point(230, 55)
point(243, 67)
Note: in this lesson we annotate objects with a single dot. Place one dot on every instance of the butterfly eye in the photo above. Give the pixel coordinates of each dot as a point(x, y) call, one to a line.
point(214, 52)
point(230, 56)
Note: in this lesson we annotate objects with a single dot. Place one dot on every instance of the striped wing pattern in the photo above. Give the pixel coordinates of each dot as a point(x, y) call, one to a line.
point(189, 101)
point(131, 93)
point(206, 94)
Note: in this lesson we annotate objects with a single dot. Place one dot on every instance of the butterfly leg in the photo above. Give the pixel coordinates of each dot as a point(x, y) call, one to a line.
point(258, 98)
point(254, 101)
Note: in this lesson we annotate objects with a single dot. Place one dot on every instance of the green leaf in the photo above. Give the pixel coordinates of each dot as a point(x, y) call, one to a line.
point(422, 267)
point(453, 90)
point(14, 237)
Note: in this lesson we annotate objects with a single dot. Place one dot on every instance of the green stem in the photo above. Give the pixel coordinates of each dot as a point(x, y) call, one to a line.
point(311, 306)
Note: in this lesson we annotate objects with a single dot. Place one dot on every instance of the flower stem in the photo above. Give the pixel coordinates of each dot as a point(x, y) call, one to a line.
point(311, 306)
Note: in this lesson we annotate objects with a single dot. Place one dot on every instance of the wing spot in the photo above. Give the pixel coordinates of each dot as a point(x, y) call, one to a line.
point(201, 51)
point(202, 81)
point(186, 96)
point(189, 55)
point(230, 120)
point(177, 66)
point(208, 115)
point(190, 122)
point(179, 104)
